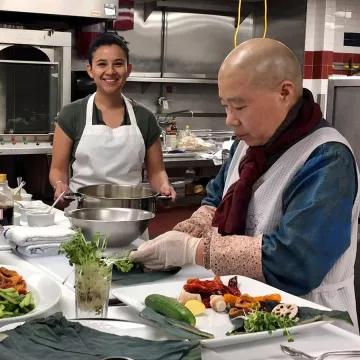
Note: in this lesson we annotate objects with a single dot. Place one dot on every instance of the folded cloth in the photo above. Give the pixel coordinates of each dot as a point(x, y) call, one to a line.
point(26, 235)
point(36, 250)
point(55, 338)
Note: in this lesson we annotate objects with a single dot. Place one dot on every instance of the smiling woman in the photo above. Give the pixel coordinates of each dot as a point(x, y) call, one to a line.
point(106, 137)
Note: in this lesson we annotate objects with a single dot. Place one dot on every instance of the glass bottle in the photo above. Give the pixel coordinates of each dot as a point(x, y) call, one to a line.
point(6, 202)
point(189, 182)
point(187, 130)
point(173, 134)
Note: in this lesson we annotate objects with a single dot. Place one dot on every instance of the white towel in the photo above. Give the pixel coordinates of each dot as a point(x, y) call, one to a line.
point(36, 250)
point(26, 235)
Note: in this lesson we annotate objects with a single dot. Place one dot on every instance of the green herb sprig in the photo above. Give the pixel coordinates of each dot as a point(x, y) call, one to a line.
point(82, 252)
point(264, 321)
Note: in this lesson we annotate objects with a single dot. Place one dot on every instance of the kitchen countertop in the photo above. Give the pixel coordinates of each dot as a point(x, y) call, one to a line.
point(315, 340)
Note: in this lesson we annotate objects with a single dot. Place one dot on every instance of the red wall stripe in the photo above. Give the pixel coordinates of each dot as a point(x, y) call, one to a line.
point(319, 64)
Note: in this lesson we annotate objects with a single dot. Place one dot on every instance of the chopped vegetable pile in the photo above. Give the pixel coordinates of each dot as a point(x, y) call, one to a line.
point(14, 304)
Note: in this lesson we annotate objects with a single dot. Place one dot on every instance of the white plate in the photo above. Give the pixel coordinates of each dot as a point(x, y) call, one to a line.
point(45, 290)
point(216, 323)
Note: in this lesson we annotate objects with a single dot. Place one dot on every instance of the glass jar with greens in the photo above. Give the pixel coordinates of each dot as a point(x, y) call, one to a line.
point(92, 287)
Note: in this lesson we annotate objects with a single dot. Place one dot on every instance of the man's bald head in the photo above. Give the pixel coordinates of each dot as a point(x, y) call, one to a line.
point(265, 62)
point(259, 83)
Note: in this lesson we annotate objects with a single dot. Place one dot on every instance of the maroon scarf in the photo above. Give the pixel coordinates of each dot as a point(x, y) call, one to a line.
point(230, 216)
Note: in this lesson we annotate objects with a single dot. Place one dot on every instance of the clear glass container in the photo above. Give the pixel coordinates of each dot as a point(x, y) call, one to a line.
point(92, 287)
point(6, 202)
point(190, 176)
point(29, 96)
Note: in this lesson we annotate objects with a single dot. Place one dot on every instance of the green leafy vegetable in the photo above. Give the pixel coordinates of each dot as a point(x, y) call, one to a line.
point(263, 321)
point(308, 315)
point(82, 252)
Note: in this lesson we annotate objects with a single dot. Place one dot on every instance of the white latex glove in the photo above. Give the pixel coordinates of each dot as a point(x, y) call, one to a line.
point(171, 249)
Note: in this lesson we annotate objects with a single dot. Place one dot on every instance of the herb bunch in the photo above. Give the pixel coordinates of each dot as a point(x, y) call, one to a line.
point(82, 252)
point(264, 321)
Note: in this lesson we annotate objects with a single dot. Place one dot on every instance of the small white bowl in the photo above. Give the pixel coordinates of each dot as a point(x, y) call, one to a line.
point(17, 217)
point(26, 197)
point(38, 218)
point(29, 206)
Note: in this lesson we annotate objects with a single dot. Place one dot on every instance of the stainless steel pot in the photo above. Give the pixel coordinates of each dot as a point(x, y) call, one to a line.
point(120, 226)
point(117, 196)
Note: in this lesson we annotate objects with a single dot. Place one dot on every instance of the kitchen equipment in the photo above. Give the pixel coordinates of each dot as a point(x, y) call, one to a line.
point(120, 226)
point(90, 9)
point(38, 218)
point(297, 354)
point(117, 196)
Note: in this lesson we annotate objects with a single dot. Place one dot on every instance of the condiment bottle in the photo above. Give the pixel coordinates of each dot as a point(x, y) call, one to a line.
point(173, 134)
point(187, 130)
point(189, 182)
point(6, 202)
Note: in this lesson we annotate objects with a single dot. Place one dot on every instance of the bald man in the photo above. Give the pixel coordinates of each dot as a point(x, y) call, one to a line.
point(284, 207)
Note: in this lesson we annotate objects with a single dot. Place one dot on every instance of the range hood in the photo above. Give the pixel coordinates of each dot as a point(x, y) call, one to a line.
point(213, 7)
point(71, 12)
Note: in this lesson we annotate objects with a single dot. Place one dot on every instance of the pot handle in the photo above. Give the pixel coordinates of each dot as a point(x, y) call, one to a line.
point(164, 197)
point(75, 197)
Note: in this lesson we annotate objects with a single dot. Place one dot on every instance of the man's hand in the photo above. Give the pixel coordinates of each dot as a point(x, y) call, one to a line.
point(168, 250)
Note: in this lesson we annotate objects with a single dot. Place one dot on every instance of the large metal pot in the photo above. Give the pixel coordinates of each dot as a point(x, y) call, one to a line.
point(117, 196)
point(120, 226)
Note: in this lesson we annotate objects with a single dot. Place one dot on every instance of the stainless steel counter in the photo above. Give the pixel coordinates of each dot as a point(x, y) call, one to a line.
point(172, 162)
point(26, 149)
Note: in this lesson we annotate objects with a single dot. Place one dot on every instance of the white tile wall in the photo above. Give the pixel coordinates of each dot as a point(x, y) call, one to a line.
point(347, 19)
point(326, 22)
point(320, 25)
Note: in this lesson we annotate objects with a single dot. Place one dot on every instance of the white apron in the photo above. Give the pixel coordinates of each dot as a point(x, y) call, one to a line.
point(108, 156)
point(265, 210)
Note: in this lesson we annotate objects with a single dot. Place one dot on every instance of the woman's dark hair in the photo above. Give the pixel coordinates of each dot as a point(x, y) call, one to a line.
point(107, 39)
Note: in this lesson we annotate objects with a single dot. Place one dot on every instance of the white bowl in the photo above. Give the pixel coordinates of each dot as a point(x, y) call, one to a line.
point(38, 218)
point(17, 217)
point(29, 206)
point(26, 197)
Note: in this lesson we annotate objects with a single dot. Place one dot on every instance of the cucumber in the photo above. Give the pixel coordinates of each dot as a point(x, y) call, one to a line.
point(170, 308)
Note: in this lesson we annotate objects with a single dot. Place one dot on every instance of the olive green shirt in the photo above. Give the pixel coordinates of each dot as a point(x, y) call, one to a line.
point(72, 120)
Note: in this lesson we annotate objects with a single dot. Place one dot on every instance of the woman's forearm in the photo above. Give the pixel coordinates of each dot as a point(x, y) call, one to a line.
point(58, 175)
point(158, 179)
